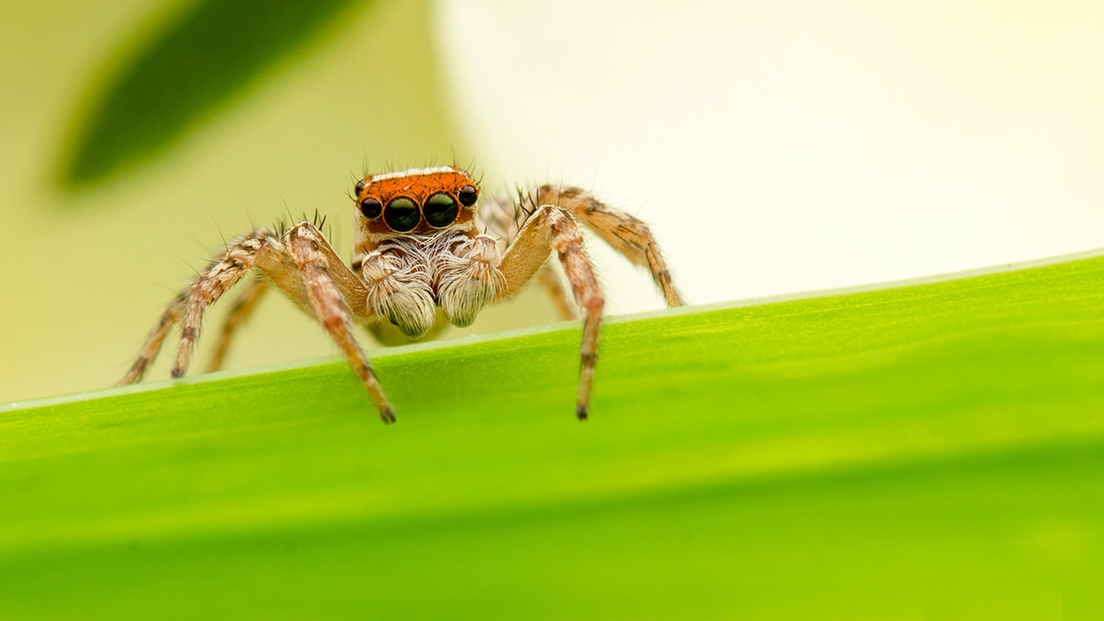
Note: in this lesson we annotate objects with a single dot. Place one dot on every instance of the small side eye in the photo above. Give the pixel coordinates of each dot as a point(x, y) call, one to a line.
point(371, 208)
point(360, 186)
point(401, 215)
point(468, 195)
point(440, 210)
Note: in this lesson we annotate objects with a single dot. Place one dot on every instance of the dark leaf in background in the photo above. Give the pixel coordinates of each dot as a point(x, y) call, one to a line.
point(194, 66)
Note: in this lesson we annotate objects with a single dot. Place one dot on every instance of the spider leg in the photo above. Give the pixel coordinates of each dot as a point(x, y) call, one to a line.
point(220, 275)
point(223, 273)
point(625, 233)
point(309, 250)
point(553, 228)
point(243, 307)
point(550, 280)
point(156, 338)
point(503, 218)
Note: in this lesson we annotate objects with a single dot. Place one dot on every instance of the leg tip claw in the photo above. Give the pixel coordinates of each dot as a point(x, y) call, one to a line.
point(581, 411)
point(387, 415)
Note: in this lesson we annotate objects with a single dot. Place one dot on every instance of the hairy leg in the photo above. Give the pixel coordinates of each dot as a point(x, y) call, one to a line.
point(550, 281)
point(308, 249)
point(156, 338)
point(225, 270)
point(553, 228)
point(243, 307)
point(222, 274)
point(627, 234)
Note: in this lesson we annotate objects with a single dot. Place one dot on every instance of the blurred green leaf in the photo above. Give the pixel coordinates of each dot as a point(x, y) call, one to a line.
point(193, 67)
point(930, 451)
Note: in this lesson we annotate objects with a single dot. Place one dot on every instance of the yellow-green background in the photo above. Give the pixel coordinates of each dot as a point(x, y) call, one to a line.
point(87, 271)
point(775, 148)
point(932, 450)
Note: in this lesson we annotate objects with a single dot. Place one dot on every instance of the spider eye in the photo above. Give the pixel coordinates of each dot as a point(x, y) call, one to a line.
point(468, 195)
point(440, 210)
point(360, 186)
point(371, 208)
point(401, 215)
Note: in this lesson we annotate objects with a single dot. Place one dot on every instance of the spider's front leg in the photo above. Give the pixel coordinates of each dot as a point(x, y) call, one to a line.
point(553, 228)
point(323, 277)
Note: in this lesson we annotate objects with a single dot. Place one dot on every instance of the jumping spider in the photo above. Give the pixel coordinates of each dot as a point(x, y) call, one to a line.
point(419, 263)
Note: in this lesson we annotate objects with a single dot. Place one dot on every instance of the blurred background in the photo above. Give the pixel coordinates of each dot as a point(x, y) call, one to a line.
point(775, 147)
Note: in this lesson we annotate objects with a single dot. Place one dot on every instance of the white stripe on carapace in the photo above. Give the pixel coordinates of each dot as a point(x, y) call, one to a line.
point(414, 172)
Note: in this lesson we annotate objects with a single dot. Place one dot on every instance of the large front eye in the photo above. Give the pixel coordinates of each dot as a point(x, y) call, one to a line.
point(371, 208)
point(468, 195)
point(440, 210)
point(401, 215)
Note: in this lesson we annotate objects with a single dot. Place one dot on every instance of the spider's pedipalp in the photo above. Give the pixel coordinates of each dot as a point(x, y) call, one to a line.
point(398, 288)
point(467, 278)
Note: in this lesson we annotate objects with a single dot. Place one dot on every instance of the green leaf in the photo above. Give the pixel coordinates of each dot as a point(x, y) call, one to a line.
point(934, 450)
point(184, 74)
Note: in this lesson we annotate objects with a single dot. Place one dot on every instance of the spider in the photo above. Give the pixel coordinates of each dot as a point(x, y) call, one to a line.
point(419, 264)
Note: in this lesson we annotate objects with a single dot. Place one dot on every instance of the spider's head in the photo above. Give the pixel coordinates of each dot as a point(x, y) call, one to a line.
point(419, 201)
